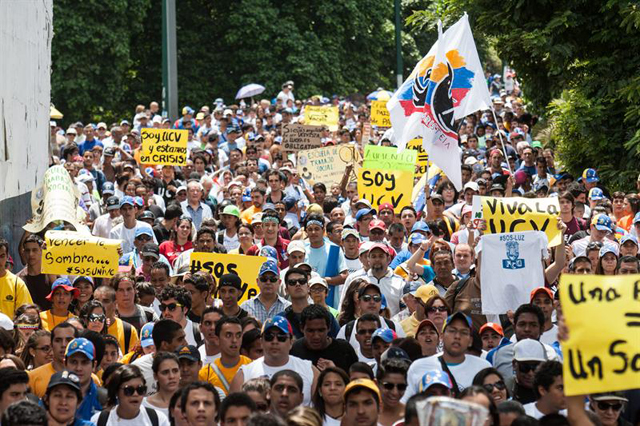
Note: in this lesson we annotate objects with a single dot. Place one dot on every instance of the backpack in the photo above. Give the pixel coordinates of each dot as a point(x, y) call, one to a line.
point(153, 416)
point(127, 336)
point(348, 330)
point(195, 328)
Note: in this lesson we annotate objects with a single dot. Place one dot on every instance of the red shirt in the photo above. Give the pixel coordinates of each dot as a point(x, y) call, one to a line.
point(281, 248)
point(171, 250)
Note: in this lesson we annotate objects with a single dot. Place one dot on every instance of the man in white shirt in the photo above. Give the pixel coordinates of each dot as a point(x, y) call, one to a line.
point(105, 223)
point(391, 284)
point(549, 389)
point(175, 302)
point(126, 231)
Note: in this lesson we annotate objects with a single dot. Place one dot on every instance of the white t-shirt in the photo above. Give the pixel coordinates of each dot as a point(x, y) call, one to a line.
point(145, 363)
point(463, 372)
point(330, 421)
point(142, 419)
point(530, 409)
point(303, 367)
point(207, 359)
point(146, 403)
point(120, 232)
point(189, 332)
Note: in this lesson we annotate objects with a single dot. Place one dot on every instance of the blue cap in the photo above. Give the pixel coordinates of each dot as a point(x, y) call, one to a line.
point(608, 249)
point(628, 237)
point(279, 322)
point(268, 206)
point(146, 335)
point(596, 194)
point(66, 285)
point(363, 212)
point(458, 315)
point(383, 302)
point(420, 226)
point(246, 196)
point(81, 345)
point(82, 278)
point(386, 334)
point(417, 238)
point(269, 252)
point(590, 176)
point(127, 200)
point(602, 222)
point(139, 201)
point(143, 230)
point(269, 266)
point(108, 188)
point(435, 377)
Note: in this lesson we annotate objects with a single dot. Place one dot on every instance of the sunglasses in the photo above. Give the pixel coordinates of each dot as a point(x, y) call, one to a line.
point(604, 406)
point(437, 309)
point(526, 368)
point(389, 386)
point(498, 385)
point(299, 281)
point(368, 298)
point(268, 337)
point(130, 390)
point(44, 349)
point(171, 306)
point(97, 318)
point(365, 331)
point(271, 280)
point(143, 238)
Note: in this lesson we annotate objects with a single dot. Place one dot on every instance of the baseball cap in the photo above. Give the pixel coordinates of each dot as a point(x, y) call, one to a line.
point(386, 334)
point(246, 195)
point(609, 396)
point(143, 230)
point(269, 266)
point(466, 209)
point(189, 352)
point(544, 290)
point(385, 206)
point(313, 208)
point(127, 200)
point(139, 201)
point(596, 194)
point(365, 247)
point(472, 186)
point(364, 202)
point(146, 335)
point(458, 315)
point(350, 231)
point(377, 224)
point(438, 198)
point(181, 188)
point(66, 285)
point(628, 237)
point(435, 377)
point(147, 214)
point(6, 323)
point(279, 322)
point(296, 246)
point(367, 287)
point(427, 323)
point(360, 384)
point(590, 176)
point(608, 249)
point(364, 212)
point(394, 352)
point(492, 326)
point(425, 292)
point(150, 250)
point(416, 238)
point(230, 280)
point(65, 377)
point(529, 350)
point(496, 187)
point(318, 281)
point(270, 252)
point(602, 222)
point(81, 345)
point(85, 176)
point(107, 188)
point(77, 279)
point(420, 226)
point(231, 210)
point(380, 246)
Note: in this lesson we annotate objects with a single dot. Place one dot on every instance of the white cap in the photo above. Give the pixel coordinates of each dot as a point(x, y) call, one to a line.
point(471, 185)
point(72, 131)
point(365, 247)
point(52, 123)
point(296, 246)
point(529, 350)
point(318, 280)
point(470, 161)
point(157, 119)
point(5, 322)
point(101, 125)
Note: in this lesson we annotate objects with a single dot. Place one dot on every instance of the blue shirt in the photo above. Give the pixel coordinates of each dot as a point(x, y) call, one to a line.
point(202, 212)
point(90, 404)
point(88, 146)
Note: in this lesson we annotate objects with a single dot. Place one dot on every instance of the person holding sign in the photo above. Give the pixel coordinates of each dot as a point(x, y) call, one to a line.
point(13, 291)
point(608, 406)
point(60, 297)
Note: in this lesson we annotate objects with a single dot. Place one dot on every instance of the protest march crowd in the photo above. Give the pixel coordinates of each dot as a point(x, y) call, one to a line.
point(246, 290)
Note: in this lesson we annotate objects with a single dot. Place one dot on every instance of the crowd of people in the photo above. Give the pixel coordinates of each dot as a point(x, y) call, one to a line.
point(362, 313)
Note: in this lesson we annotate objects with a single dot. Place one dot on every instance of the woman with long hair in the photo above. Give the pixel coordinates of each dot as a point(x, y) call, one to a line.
point(607, 261)
point(24, 326)
point(179, 239)
point(437, 311)
point(245, 236)
point(349, 309)
point(166, 371)
point(327, 399)
point(492, 381)
point(38, 350)
point(93, 317)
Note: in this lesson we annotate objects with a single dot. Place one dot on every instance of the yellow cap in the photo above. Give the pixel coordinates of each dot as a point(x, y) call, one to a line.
point(363, 383)
point(426, 292)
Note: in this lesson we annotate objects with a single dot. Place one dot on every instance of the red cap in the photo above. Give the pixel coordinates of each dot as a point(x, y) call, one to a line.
point(381, 246)
point(541, 289)
point(385, 206)
point(493, 326)
point(377, 224)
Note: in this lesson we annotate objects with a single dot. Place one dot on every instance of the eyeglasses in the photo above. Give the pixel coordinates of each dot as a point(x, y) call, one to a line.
point(271, 280)
point(389, 386)
point(97, 318)
point(437, 309)
point(268, 337)
point(604, 406)
point(171, 306)
point(526, 368)
point(498, 385)
point(299, 281)
point(365, 331)
point(143, 238)
point(368, 298)
point(130, 390)
point(317, 289)
point(43, 348)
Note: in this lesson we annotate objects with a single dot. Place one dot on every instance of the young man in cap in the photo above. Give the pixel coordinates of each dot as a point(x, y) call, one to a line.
point(62, 399)
point(277, 339)
point(351, 247)
point(14, 386)
point(80, 359)
point(386, 214)
point(549, 389)
point(37, 282)
point(200, 402)
point(435, 383)
point(13, 291)
point(361, 403)
point(62, 292)
point(297, 253)
point(600, 230)
point(391, 285)
point(175, 303)
point(461, 367)
point(268, 303)
point(628, 246)
point(381, 341)
point(528, 355)
point(126, 231)
point(318, 290)
point(285, 393)
point(363, 219)
point(104, 223)
point(190, 364)
point(543, 298)
point(229, 292)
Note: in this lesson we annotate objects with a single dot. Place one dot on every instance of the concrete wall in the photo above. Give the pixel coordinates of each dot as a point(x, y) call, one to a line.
point(26, 30)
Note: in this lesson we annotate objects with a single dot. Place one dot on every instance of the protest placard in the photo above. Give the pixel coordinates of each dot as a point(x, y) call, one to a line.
point(327, 165)
point(218, 264)
point(72, 253)
point(322, 116)
point(57, 199)
point(164, 146)
point(515, 214)
point(388, 158)
point(602, 313)
point(298, 137)
point(386, 186)
point(380, 114)
point(422, 163)
point(366, 133)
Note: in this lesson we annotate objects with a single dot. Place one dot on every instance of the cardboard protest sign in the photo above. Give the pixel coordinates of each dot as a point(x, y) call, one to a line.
point(322, 116)
point(327, 165)
point(57, 199)
point(72, 253)
point(298, 137)
point(164, 146)
point(217, 264)
point(380, 114)
point(603, 316)
point(386, 186)
point(515, 214)
point(366, 133)
point(422, 163)
point(388, 158)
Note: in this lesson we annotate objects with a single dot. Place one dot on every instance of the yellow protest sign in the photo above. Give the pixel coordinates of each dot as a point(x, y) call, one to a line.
point(422, 164)
point(328, 164)
point(380, 114)
point(386, 186)
point(514, 214)
point(72, 253)
point(218, 264)
point(603, 316)
point(164, 146)
point(322, 116)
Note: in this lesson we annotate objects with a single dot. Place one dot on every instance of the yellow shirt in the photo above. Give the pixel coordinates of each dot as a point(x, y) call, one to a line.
point(49, 321)
point(13, 293)
point(117, 330)
point(410, 325)
point(208, 373)
point(247, 215)
point(39, 379)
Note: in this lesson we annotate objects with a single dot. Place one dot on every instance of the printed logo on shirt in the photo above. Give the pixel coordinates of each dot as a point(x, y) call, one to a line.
point(9, 297)
point(513, 253)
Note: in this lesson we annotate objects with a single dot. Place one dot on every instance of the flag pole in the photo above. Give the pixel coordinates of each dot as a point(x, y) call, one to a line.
point(504, 148)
